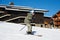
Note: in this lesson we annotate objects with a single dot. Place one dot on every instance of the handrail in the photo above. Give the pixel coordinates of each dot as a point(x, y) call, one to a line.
point(4, 15)
point(15, 18)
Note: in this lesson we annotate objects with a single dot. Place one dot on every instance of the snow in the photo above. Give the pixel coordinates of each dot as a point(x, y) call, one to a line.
point(12, 31)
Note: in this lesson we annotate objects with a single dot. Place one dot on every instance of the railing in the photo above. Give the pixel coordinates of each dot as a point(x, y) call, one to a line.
point(15, 18)
point(4, 15)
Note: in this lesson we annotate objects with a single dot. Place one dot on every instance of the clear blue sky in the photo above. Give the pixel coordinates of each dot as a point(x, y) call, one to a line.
point(52, 5)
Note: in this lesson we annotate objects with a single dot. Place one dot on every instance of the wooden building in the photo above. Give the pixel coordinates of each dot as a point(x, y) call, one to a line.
point(56, 20)
point(17, 14)
point(48, 22)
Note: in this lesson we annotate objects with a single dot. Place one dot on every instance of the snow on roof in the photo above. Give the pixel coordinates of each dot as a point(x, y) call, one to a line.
point(41, 10)
point(22, 8)
point(12, 31)
point(1, 5)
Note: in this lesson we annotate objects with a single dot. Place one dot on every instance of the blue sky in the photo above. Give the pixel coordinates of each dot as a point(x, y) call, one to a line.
point(52, 5)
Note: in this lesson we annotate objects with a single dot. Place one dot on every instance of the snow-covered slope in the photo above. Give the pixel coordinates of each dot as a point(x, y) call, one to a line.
point(11, 31)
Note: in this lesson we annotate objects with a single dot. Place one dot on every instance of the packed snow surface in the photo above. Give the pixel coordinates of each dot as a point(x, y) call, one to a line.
point(12, 31)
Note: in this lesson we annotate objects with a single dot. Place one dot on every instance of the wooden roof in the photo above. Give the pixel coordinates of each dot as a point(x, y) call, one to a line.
point(54, 16)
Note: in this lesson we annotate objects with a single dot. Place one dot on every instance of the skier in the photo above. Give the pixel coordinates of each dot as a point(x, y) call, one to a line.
point(28, 21)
